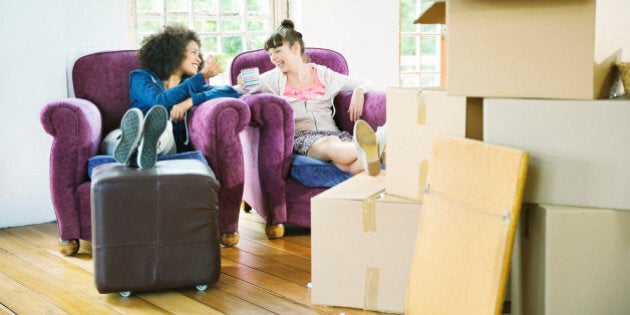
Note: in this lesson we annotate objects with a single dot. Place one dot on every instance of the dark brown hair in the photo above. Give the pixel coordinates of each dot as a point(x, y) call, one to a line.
point(286, 33)
point(163, 52)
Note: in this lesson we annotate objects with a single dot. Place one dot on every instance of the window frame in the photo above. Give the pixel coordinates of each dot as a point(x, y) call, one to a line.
point(279, 10)
point(419, 34)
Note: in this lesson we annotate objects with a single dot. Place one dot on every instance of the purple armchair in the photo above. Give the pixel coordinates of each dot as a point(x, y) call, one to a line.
point(268, 143)
point(101, 86)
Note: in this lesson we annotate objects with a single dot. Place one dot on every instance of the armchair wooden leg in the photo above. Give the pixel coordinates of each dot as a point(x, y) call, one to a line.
point(229, 239)
point(69, 247)
point(274, 230)
point(246, 207)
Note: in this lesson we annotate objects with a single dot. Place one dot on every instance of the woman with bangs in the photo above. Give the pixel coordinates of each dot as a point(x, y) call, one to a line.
point(310, 90)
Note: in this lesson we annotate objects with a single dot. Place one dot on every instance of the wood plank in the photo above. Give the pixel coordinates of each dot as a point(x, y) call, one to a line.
point(255, 223)
point(19, 299)
point(284, 243)
point(263, 264)
point(268, 300)
point(288, 290)
point(61, 268)
point(57, 291)
point(225, 302)
point(241, 290)
point(276, 255)
point(5, 310)
point(176, 303)
point(251, 221)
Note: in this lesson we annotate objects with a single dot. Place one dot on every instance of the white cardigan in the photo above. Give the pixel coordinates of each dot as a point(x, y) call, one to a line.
point(315, 114)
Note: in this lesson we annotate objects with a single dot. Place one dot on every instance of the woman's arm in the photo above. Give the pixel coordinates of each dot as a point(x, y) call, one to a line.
point(339, 82)
point(146, 90)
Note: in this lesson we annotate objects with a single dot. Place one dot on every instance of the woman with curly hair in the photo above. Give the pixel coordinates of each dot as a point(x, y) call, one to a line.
point(172, 80)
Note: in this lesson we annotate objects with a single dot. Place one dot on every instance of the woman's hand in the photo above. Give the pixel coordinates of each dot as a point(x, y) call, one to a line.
point(356, 104)
point(211, 67)
point(178, 111)
point(240, 82)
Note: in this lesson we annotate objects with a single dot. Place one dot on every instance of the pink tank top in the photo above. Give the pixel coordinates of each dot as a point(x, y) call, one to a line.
point(306, 93)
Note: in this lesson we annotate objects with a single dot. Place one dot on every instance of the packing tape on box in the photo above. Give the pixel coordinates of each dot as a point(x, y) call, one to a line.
point(369, 212)
point(370, 298)
point(422, 178)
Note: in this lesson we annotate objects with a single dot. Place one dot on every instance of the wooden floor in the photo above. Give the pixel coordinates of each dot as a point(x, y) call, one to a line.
point(259, 276)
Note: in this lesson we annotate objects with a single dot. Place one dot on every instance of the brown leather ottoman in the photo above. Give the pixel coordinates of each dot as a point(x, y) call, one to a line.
point(156, 228)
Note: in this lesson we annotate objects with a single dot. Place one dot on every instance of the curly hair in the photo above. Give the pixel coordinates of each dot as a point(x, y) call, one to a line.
point(285, 33)
point(163, 52)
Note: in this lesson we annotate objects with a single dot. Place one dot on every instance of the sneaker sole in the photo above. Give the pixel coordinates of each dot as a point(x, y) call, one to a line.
point(154, 126)
point(130, 136)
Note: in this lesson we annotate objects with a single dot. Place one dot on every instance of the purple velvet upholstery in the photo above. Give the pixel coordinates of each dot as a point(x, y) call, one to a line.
point(101, 86)
point(268, 141)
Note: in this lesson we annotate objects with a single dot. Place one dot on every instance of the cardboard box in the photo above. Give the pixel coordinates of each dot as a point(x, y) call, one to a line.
point(534, 49)
point(362, 242)
point(414, 117)
point(573, 261)
point(466, 231)
point(579, 149)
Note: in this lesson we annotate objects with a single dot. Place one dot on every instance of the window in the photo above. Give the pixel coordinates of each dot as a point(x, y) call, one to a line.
point(225, 27)
point(420, 47)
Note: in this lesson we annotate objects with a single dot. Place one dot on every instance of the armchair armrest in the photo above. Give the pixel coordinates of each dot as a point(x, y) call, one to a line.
point(373, 110)
point(268, 144)
point(214, 128)
point(75, 125)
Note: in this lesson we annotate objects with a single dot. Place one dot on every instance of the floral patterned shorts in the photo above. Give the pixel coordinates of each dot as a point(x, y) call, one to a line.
point(303, 140)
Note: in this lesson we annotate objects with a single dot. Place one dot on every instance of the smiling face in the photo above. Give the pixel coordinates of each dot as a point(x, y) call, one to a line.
point(190, 64)
point(285, 57)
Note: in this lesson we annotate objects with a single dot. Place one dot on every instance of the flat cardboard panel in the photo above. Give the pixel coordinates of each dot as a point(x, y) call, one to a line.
point(574, 260)
point(414, 117)
point(361, 248)
point(466, 228)
point(579, 149)
point(534, 49)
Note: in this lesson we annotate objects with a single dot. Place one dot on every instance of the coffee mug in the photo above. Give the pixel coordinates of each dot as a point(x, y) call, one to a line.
point(251, 77)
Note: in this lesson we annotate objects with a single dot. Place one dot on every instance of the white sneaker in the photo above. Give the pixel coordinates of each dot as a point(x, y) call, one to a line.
point(130, 132)
point(367, 148)
point(154, 125)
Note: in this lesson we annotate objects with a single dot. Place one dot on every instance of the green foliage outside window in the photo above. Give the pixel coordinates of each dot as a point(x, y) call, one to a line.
point(232, 45)
point(419, 46)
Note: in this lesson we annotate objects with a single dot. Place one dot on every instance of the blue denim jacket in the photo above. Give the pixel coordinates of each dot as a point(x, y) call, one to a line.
point(146, 90)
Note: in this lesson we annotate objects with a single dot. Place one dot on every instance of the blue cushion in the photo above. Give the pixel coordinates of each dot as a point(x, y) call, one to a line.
point(103, 159)
point(315, 173)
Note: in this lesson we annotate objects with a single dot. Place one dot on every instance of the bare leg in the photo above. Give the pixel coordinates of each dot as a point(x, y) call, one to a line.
point(342, 154)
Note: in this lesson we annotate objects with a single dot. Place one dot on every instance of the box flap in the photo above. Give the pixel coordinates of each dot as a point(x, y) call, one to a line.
point(359, 187)
point(435, 14)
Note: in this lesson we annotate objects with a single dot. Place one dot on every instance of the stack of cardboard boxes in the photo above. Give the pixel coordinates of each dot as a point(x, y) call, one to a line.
point(532, 75)
point(545, 69)
point(363, 231)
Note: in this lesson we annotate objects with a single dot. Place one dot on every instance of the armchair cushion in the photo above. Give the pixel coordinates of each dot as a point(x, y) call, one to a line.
point(315, 173)
point(104, 159)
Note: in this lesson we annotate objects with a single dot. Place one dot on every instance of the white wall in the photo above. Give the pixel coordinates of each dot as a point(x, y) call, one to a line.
point(365, 32)
point(41, 39)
